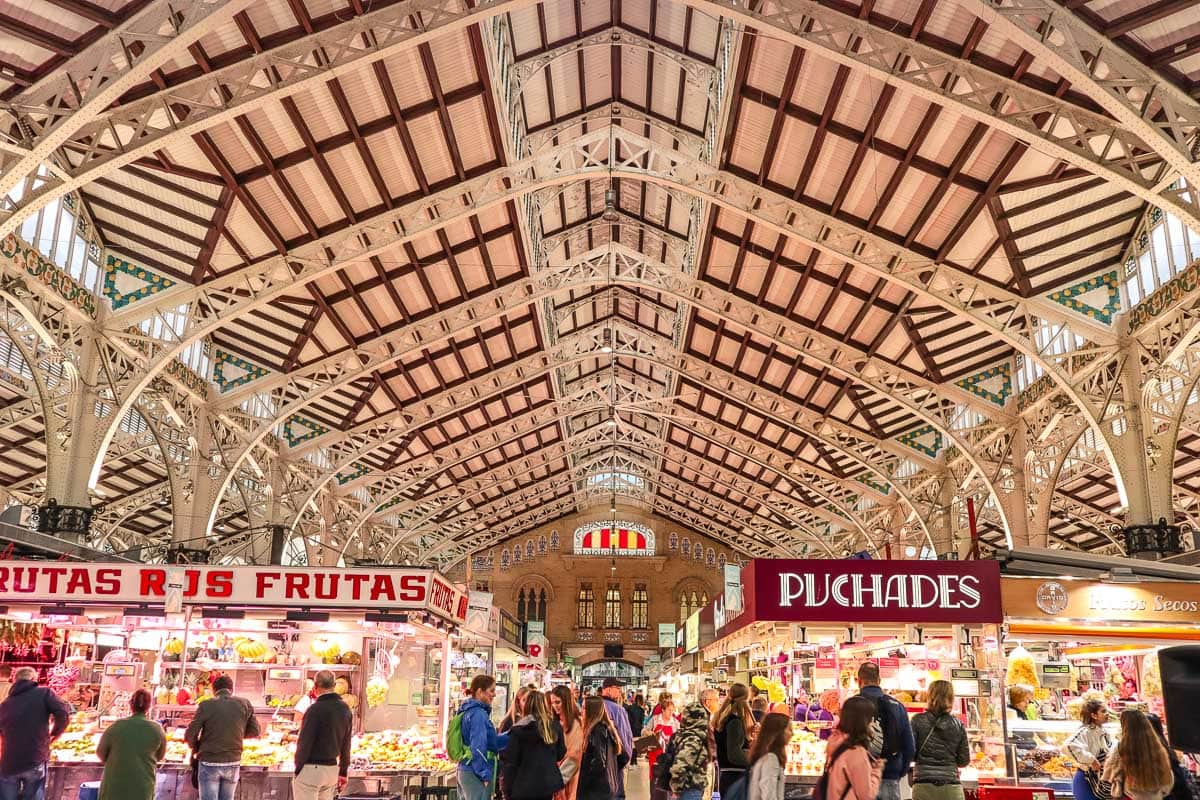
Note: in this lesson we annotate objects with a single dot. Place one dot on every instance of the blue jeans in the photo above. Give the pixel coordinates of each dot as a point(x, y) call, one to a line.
point(469, 786)
point(217, 782)
point(689, 794)
point(27, 785)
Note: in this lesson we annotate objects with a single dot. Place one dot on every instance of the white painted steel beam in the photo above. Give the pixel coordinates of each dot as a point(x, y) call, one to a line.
point(1149, 106)
point(55, 110)
point(1057, 127)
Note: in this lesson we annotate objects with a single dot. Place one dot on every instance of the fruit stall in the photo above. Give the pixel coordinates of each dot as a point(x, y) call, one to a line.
point(800, 630)
point(1069, 640)
point(173, 630)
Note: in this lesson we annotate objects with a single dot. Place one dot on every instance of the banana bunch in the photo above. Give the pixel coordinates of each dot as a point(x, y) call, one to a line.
point(377, 691)
point(251, 651)
point(326, 650)
point(173, 647)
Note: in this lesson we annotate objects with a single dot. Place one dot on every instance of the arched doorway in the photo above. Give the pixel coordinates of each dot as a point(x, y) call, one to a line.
point(593, 675)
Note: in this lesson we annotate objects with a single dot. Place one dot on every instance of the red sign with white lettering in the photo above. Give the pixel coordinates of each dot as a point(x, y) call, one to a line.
point(855, 591)
point(279, 587)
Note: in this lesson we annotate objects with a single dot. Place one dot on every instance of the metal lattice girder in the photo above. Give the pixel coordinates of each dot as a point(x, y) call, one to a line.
point(482, 536)
point(940, 406)
point(121, 135)
point(577, 237)
point(1161, 114)
point(772, 543)
point(994, 310)
point(698, 73)
point(622, 113)
point(110, 516)
point(51, 113)
point(917, 395)
point(630, 342)
point(991, 308)
point(1057, 127)
point(728, 513)
point(884, 457)
point(593, 399)
point(627, 439)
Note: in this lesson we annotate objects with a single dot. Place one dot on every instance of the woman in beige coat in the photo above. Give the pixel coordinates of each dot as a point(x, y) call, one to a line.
point(562, 704)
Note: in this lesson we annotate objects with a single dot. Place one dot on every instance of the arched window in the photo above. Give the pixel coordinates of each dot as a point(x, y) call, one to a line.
point(531, 604)
point(641, 607)
point(586, 614)
point(691, 600)
point(612, 606)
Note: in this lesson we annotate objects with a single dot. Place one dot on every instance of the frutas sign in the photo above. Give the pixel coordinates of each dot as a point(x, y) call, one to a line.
point(283, 587)
point(853, 591)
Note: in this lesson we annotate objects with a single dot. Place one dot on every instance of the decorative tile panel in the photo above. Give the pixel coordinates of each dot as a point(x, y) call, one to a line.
point(1097, 298)
point(126, 283)
point(231, 371)
point(925, 440)
point(993, 384)
point(299, 429)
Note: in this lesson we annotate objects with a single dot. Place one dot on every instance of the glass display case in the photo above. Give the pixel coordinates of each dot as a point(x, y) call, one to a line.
point(1038, 752)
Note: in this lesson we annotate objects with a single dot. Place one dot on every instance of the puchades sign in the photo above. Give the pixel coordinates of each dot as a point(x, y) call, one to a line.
point(278, 587)
point(851, 591)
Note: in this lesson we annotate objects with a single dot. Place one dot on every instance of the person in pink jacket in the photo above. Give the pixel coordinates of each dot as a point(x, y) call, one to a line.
point(853, 774)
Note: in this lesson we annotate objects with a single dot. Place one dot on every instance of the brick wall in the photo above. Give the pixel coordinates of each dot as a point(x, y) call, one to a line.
point(560, 572)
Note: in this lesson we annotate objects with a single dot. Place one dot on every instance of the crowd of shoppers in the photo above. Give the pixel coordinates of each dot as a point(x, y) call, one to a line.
point(549, 747)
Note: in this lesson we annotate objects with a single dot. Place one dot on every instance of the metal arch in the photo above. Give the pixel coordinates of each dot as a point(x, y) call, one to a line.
point(1080, 137)
point(53, 110)
point(697, 72)
point(583, 443)
point(841, 438)
point(969, 441)
point(538, 491)
point(635, 439)
point(460, 546)
point(992, 309)
point(310, 384)
point(719, 434)
point(1102, 69)
point(620, 111)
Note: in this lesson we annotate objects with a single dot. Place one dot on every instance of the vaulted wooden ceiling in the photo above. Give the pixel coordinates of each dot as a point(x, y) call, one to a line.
point(718, 420)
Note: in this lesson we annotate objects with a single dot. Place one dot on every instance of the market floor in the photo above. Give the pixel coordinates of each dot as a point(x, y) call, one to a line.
point(637, 782)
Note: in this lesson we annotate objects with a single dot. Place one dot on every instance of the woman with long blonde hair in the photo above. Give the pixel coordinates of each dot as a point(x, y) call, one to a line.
point(535, 746)
point(732, 726)
point(1140, 768)
point(562, 705)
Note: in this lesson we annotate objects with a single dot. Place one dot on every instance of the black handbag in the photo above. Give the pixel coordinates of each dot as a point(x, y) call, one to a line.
point(195, 764)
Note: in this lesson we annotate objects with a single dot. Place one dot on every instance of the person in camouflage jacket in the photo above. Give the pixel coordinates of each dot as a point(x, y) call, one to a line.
point(691, 757)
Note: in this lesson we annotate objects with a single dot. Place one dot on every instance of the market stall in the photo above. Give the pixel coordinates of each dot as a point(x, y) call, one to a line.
point(1068, 640)
point(510, 651)
point(385, 633)
point(802, 628)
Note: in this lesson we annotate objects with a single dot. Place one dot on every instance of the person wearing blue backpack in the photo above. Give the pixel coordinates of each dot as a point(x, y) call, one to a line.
point(891, 733)
point(473, 741)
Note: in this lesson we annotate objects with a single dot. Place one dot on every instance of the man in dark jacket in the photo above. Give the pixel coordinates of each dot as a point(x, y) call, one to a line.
point(215, 736)
point(323, 749)
point(26, 735)
point(899, 747)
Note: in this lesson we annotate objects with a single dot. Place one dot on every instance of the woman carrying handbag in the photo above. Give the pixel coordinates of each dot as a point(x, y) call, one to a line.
point(562, 704)
point(941, 747)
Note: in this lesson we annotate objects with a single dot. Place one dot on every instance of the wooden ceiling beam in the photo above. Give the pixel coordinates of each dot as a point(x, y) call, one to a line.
point(1127, 23)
